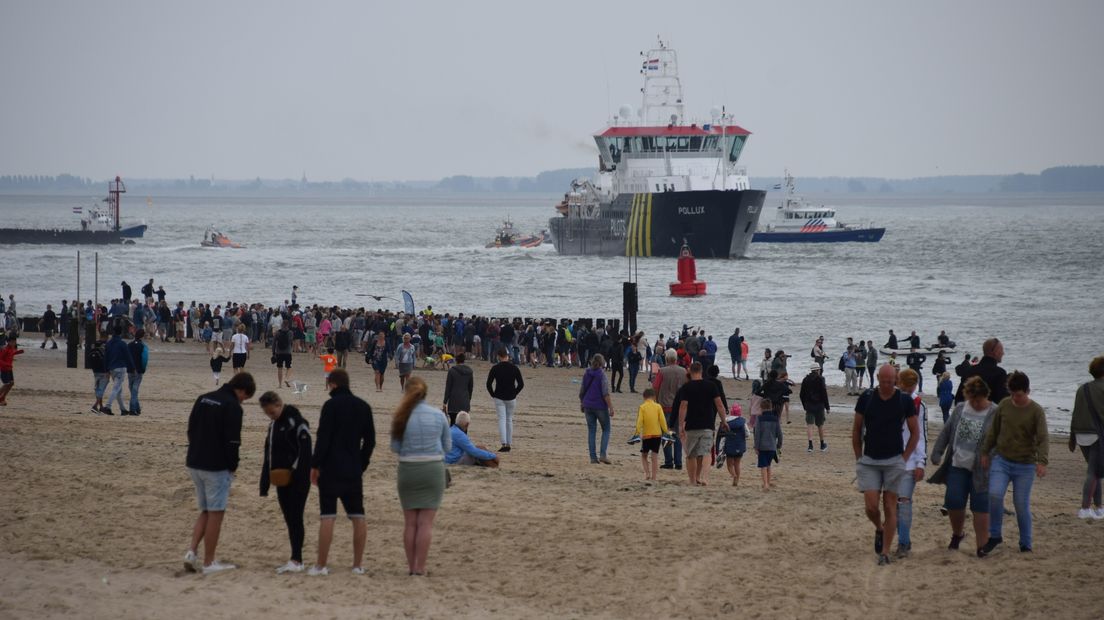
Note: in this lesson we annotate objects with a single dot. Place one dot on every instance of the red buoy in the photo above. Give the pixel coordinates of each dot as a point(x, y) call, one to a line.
point(688, 284)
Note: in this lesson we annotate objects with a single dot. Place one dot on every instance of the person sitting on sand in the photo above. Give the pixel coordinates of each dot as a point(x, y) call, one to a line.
point(464, 451)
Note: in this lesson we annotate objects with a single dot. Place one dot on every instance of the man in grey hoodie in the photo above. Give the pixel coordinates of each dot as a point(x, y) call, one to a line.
point(459, 385)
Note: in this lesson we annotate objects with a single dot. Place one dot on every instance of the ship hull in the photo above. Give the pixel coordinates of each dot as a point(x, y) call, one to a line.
point(866, 235)
point(69, 237)
point(713, 223)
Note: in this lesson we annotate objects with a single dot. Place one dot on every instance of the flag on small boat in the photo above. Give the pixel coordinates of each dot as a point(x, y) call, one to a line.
point(777, 186)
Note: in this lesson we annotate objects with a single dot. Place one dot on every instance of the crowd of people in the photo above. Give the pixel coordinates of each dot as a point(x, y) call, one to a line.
point(993, 435)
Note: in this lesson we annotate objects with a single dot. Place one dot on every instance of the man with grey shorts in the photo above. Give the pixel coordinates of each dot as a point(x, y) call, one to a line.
point(880, 452)
point(699, 400)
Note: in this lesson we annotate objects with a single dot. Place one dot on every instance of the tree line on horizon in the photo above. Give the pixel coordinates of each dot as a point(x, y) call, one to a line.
point(1056, 179)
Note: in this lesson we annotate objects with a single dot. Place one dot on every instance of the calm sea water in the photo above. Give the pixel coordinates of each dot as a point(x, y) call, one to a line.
point(1029, 273)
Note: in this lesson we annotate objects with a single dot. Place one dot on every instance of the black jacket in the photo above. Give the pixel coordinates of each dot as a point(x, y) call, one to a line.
point(814, 393)
point(459, 385)
point(504, 381)
point(994, 376)
point(214, 431)
point(288, 443)
point(346, 439)
point(775, 391)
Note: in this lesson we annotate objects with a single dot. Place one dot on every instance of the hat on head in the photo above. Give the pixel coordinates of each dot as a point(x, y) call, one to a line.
point(814, 367)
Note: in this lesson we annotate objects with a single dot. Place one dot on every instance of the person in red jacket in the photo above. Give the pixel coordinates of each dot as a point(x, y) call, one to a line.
point(7, 365)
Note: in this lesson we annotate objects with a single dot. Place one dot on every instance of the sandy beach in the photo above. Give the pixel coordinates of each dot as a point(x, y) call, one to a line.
point(98, 512)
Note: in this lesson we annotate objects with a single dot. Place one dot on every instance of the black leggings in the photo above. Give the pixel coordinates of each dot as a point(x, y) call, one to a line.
point(293, 500)
point(617, 376)
point(871, 369)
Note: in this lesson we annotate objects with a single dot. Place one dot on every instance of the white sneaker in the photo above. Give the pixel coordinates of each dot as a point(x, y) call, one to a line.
point(1098, 512)
point(1086, 513)
point(217, 567)
point(191, 562)
point(318, 571)
point(291, 567)
point(358, 570)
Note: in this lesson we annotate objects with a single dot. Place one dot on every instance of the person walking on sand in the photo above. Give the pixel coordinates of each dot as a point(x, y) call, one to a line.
point(405, 356)
point(914, 466)
point(651, 428)
point(814, 400)
point(504, 383)
point(989, 371)
point(1087, 432)
point(768, 442)
point(7, 368)
point(48, 324)
point(459, 387)
point(957, 452)
point(119, 364)
point(421, 438)
point(1015, 450)
point(281, 354)
point(139, 354)
point(699, 401)
point(595, 403)
point(871, 361)
point(214, 439)
point(342, 452)
point(287, 460)
point(378, 355)
point(880, 453)
point(666, 384)
point(239, 348)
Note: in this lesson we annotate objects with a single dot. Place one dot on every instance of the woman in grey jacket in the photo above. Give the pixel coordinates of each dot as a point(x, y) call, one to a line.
point(962, 472)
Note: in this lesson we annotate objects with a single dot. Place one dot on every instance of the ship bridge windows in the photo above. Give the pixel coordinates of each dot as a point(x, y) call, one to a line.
point(736, 144)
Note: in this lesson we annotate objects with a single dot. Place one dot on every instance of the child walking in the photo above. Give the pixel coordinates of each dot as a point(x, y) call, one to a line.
point(218, 358)
point(735, 442)
point(768, 441)
point(651, 426)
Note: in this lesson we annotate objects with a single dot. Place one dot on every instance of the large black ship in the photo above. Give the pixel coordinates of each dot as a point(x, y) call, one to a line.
point(662, 181)
point(99, 225)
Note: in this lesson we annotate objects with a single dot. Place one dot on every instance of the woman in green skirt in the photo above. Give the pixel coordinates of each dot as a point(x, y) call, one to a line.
point(420, 436)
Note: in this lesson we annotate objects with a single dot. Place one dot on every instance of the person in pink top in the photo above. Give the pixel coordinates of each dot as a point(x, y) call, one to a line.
point(324, 329)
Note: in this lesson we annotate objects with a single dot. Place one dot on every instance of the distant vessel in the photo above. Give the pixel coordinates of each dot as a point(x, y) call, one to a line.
point(507, 237)
point(214, 239)
point(800, 222)
point(99, 225)
point(662, 180)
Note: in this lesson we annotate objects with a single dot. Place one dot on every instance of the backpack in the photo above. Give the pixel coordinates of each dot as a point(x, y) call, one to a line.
point(843, 363)
point(96, 359)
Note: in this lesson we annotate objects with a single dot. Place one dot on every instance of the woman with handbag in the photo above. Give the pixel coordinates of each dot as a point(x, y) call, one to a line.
point(1087, 432)
point(960, 443)
point(287, 459)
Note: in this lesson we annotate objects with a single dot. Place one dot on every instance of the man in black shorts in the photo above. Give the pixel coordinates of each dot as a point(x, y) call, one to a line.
point(881, 453)
point(281, 354)
point(48, 324)
point(346, 438)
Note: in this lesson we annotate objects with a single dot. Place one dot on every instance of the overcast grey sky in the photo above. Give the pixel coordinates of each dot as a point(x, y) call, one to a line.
point(417, 90)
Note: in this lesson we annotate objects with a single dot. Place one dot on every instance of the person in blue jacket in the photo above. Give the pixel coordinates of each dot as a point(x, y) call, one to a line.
point(119, 363)
point(464, 451)
point(945, 390)
point(139, 354)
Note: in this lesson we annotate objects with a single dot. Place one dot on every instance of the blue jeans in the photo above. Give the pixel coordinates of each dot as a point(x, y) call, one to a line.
point(135, 383)
point(593, 418)
point(904, 509)
point(634, 369)
point(515, 354)
point(672, 450)
point(1022, 477)
point(118, 378)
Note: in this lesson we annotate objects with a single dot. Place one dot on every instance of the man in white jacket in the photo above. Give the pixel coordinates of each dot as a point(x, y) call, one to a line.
point(914, 466)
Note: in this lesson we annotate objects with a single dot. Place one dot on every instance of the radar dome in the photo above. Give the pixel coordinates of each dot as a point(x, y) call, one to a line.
point(715, 112)
point(625, 111)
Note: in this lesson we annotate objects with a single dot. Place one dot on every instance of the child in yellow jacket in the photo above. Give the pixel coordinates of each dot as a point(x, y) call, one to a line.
point(651, 427)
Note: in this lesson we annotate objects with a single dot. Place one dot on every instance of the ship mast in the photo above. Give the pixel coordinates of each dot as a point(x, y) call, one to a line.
point(662, 89)
point(114, 188)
